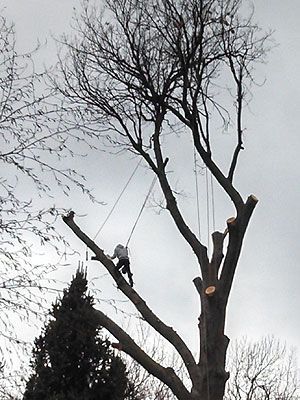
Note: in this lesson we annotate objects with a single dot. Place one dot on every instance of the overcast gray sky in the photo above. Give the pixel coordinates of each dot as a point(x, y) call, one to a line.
point(265, 296)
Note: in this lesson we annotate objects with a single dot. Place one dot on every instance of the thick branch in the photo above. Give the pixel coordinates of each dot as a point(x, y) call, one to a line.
point(249, 208)
point(166, 331)
point(171, 204)
point(236, 230)
point(218, 174)
point(239, 145)
point(217, 257)
point(198, 284)
point(233, 164)
point(166, 375)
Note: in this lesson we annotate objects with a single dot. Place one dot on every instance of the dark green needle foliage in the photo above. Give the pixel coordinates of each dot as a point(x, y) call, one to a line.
point(71, 360)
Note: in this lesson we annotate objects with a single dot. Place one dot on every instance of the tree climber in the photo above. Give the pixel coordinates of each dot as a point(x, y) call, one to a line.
point(123, 264)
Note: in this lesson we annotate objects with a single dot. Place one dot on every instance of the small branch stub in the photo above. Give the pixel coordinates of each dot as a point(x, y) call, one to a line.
point(117, 346)
point(210, 290)
point(231, 221)
point(253, 198)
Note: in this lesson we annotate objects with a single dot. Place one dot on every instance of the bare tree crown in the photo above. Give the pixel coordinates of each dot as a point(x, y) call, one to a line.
point(142, 64)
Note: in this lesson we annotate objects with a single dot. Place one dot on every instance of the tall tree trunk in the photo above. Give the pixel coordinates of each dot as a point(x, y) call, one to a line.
point(213, 346)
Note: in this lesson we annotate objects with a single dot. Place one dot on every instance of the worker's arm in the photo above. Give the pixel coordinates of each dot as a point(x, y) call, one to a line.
point(114, 255)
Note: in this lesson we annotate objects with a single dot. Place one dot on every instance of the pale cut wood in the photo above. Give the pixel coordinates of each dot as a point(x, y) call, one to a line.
point(210, 290)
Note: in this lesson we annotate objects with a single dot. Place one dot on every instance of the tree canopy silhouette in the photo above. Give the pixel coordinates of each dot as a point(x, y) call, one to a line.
point(71, 359)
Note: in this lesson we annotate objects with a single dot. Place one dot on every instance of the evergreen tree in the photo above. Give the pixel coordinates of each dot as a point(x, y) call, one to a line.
point(70, 358)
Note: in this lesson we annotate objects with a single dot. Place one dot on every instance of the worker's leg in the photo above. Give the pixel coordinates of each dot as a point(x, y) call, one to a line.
point(120, 264)
point(129, 273)
point(124, 266)
point(130, 279)
point(126, 270)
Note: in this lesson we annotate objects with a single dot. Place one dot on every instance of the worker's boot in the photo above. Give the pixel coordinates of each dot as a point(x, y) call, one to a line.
point(125, 270)
point(130, 279)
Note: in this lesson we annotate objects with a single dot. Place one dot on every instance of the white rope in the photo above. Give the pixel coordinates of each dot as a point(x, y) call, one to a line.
point(141, 210)
point(114, 206)
point(207, 208)
point(197, 194)
point(208, 247)
point(212, 202)
point(117, 200)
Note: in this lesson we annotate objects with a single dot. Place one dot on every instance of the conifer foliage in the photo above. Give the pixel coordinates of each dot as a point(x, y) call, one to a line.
point(70, 358)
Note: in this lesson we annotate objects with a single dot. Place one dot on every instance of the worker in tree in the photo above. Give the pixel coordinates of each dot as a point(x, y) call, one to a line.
point(123, 264)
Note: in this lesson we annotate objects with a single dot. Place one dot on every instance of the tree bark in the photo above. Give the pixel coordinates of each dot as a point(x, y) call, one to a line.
point(213, 346)
point(213, 341)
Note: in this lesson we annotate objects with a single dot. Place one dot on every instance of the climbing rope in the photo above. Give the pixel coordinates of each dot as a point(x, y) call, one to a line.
point(197, 194)
point(207, 208)
point(210, 205)
point(114, 206)
point(141, 210)
point(212, 202)
point(118, 199)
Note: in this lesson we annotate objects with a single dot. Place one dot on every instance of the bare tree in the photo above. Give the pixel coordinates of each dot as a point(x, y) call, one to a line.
point(259, 370)
point(11, 383)
point(33, 148)
point(140, 70)
point(145, 385)
point(262, 370)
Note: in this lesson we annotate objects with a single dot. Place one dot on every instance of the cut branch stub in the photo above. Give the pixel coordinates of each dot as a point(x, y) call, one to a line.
point(249, 208)
point(231, 222)
point(198, 284)
point(211, 281)
point(253, 198)
point(210, 290)
point(117, 346)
